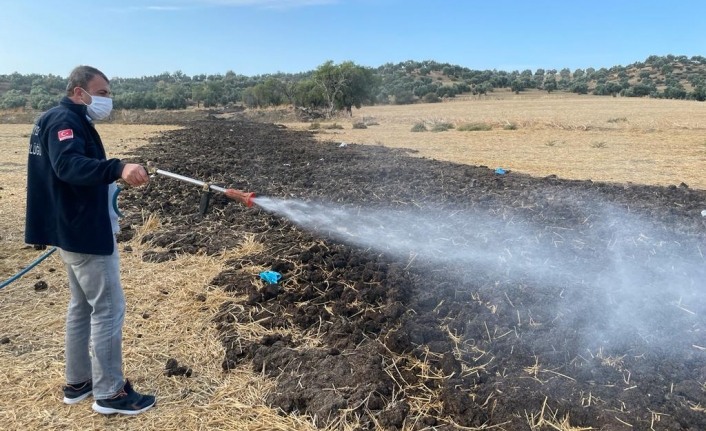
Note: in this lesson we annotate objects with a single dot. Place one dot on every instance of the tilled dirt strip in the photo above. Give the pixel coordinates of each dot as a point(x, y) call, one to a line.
point(394, 342)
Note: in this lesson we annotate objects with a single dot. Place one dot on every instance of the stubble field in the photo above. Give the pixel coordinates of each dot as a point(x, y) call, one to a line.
point(647, 141)
point(203, 305)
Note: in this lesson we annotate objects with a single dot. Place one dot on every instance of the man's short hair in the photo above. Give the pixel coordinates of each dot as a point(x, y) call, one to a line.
point(80, 77)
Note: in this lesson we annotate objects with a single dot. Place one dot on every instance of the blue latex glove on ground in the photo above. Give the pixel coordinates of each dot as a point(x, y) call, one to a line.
point(271, 277)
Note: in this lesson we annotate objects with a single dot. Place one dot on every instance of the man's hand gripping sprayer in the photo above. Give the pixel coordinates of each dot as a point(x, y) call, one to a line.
point(207, 189)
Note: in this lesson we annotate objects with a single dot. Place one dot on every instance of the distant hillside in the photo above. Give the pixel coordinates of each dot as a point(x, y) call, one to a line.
point(673, 77)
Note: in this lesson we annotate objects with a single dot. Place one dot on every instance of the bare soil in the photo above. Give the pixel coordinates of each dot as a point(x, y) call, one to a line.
point(398, 344)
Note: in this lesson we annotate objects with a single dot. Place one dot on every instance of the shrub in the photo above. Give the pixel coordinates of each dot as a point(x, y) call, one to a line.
point(40, 99)
point(442, 127)
point(314, 126)
point(333, 126)
point(510, 126)
point(419, 127)
point(403, 97)
point(43, 101)
point(359, 126)
point(431, 98)
point(474, 127)
point(12, 99)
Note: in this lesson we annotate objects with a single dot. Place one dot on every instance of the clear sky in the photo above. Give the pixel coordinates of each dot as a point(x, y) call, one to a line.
point(133, 38)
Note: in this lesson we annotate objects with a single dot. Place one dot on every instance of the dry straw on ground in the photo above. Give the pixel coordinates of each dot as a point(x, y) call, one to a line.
point(649, 141)
point(606, 139)
point(166, 318)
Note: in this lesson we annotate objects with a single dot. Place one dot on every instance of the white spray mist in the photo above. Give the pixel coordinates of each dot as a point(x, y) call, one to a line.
point(635, 274)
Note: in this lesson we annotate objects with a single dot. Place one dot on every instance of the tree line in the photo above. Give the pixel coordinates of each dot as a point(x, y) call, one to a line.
point(339, 87)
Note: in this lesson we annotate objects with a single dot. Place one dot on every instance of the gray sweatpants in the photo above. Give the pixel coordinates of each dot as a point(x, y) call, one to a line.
point(96, 314)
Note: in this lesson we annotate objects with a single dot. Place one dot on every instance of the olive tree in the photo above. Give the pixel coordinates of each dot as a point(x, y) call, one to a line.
point(345, 85)
point(40, 99)
point(549, 83)
point(13, 99)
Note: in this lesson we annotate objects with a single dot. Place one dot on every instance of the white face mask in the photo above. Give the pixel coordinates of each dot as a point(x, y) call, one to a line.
point(100, 107)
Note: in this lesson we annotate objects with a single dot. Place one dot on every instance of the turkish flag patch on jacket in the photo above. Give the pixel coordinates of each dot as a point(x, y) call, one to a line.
point(66, 134)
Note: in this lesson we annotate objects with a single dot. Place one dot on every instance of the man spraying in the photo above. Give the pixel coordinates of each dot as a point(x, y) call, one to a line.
point(69, 180)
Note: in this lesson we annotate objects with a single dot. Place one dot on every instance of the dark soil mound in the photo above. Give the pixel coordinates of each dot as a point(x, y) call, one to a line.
point(581, 304)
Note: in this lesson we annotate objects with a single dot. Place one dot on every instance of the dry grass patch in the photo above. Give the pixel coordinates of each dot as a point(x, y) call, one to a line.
point(170, 311)
point(648, 141)
point(474, 127)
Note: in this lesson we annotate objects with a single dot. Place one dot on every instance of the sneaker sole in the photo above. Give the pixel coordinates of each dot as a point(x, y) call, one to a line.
point(112, 411)
point(78, 399)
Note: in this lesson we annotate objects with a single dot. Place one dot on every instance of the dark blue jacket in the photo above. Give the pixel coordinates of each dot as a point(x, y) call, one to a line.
point(67, 183)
